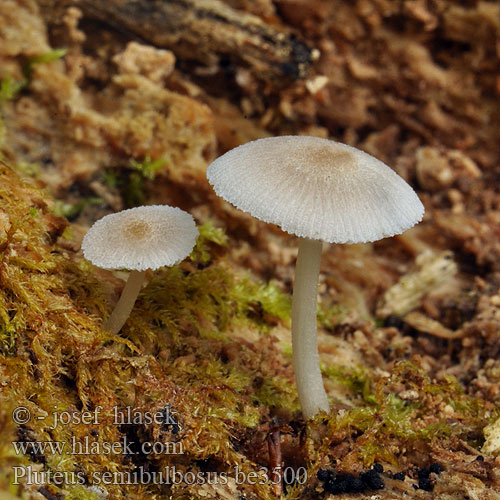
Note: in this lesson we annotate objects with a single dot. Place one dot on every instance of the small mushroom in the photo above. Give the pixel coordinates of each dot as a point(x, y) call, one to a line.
point(138, 239)
point(319, 190)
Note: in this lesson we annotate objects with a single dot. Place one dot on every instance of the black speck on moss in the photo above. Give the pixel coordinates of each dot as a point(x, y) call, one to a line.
point(326, 475)
point(423, 473)
point(425, 484)
point(424, 481)
point(435, 468)
point(348, 483)
point(372, 480)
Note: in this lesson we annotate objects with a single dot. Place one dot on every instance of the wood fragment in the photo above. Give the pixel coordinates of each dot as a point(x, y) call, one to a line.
point(275, 458)
point(432, 271)
point(209, 32)
point(428, 325)
point(46, 493)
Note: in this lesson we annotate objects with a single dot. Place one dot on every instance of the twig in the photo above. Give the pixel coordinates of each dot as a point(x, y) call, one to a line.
point(274, 447)
point(210, 32)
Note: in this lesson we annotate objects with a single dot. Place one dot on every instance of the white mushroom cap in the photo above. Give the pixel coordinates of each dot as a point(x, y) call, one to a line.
point(316, 188)
point(141, 238)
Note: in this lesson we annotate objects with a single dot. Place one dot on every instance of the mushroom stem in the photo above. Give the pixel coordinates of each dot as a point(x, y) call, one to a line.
point(308, 378)
point(124, 306)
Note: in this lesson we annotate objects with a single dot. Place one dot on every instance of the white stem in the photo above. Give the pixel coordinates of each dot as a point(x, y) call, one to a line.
point(308, 378)
point(124, 306)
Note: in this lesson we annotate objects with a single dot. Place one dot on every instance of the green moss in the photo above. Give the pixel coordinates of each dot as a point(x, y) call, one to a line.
point(72, 210)
point(10, 88)
point(131, 180)
point(133, 190)
point(277, 392)
point(47, 57)
point(387, 422)
point(330, 316)
point(8, 330)
point(263, 301)
point(198, 341)
point(207, 301)
point(32, 62)
point(356, 379)
point(110, 178)
point(209, 235)
point(77, 492)
point(239, 388)
point(274, 302)
point(148, 168)
point(27, 168)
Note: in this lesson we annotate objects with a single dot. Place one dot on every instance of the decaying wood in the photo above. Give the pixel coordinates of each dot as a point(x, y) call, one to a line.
point(275, 458)
point(424, 324)
point(209, 32)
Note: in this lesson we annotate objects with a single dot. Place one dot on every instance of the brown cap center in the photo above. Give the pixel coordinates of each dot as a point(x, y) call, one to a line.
point(137, 230)
point(324, 165)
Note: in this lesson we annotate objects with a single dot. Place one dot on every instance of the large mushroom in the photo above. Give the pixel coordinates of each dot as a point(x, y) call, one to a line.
point(138, 239)
point(319, 190)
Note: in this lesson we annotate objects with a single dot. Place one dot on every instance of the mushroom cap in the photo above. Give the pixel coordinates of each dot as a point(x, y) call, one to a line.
point(316, 188)
point(141, 238)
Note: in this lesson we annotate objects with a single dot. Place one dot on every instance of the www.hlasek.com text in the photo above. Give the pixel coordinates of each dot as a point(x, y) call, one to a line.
point(89, 446)
point(168, 476)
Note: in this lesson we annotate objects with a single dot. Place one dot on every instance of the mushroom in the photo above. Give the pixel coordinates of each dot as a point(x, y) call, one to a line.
point(138, 239)
point(319, 190)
